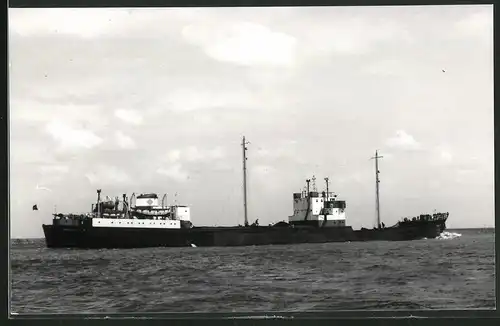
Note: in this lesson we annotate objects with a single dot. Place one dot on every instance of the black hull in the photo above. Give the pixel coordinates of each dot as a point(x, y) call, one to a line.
point(86, 236)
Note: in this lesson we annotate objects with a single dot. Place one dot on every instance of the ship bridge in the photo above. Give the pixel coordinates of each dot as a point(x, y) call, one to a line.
point(318, 208)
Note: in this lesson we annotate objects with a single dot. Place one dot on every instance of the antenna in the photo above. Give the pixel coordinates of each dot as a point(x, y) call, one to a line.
point(314, 183)
point(244, 144)
point(377, 181)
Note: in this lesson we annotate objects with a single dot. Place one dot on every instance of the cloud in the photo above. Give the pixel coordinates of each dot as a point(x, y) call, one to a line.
point(129, 116)
point(215, 153)
point(403, 141)
point(107, 175)
point(476, 24)
point(106, 22)
point(173, 155)
point(175, 159)
point(445, 157)
point(56, 169)
point(263, 152)
point(434, 184)
point(264, 178)
point(442, 156)
point(194, 154)
point(243, 43)
point(285, 149)
point(388, 67)
point(38, 187)
point(174, 172)
point(27, 22)
point(53, 173)
point(466, 175)
point(190, 99)
point(359, 177)
point(350, 36)
point(462, 165)
point(262, 170)
point(69, 138)
point(124, 141)
point(32, 110)
point(466, 171)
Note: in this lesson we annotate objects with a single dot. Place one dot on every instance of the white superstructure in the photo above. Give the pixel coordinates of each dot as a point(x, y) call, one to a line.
point(135, 223)
point(321, 209)
point(181, 213)
point(142, 211)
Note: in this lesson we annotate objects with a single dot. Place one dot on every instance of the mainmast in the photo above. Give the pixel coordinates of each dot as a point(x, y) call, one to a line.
point(243, 145)
point(377, 181)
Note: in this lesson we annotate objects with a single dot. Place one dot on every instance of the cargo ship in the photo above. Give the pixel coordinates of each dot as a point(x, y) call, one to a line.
point(145, 221)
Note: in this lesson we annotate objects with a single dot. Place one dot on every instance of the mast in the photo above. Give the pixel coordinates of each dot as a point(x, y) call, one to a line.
point(327, 195)
point(377, 181)
point(243, 145)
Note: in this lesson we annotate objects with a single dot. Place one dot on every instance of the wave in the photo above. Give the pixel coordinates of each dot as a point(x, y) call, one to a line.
point(448, 235)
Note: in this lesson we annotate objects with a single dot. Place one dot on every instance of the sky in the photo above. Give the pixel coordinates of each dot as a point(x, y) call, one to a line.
point(158, 99)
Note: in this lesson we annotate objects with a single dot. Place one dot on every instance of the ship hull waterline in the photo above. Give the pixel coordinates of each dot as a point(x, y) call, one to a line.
point(88, 237)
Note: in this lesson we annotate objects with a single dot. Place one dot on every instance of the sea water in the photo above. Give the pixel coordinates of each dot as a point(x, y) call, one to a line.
point(454, 271)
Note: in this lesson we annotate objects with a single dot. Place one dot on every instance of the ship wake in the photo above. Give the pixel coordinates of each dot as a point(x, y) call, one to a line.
point(448, 235)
